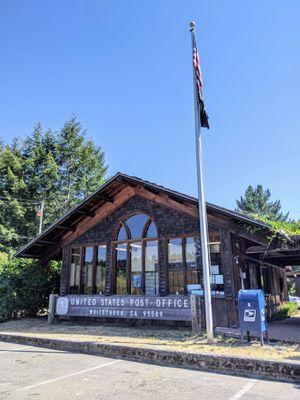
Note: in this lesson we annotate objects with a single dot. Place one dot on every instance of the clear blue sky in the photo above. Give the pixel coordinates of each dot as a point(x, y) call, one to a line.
point(124, 68)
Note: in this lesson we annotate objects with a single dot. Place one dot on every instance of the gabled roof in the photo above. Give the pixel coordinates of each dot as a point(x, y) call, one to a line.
point(52, 235)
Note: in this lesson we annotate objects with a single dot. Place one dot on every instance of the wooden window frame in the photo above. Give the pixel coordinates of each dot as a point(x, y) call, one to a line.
point(183, 248)
point(129, 241)
point(69, 268)
point(95, 259)
point(183, 237)
point(128, 261)
point(94, 271)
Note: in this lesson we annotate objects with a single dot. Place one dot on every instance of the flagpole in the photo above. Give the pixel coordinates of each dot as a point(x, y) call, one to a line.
point(41, 217)
point(202, 210)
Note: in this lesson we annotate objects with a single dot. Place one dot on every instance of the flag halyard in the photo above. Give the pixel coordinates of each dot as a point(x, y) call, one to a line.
point(199, 84)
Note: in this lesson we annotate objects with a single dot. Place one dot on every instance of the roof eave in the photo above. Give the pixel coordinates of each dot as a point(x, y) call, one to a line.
point(22, 251)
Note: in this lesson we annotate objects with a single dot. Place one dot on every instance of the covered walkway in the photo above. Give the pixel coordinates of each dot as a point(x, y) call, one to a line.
point(287, 330)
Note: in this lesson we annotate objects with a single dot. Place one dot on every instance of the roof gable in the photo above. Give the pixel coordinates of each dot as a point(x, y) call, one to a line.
point(105, 200)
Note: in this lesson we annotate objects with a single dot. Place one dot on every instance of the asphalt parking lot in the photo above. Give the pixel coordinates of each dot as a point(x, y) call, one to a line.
point(29, 372)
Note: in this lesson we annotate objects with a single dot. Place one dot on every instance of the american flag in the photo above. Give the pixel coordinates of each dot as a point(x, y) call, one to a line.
point(199, 84)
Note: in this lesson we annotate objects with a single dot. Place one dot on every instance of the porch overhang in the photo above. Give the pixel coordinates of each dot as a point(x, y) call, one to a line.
point(281, 256)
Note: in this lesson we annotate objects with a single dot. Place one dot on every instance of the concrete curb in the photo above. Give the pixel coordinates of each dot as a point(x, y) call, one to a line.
point(251, 367)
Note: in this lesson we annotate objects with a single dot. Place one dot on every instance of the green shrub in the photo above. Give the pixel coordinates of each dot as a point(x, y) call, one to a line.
point(25, 287)
point(7, 297)
point(288, 309)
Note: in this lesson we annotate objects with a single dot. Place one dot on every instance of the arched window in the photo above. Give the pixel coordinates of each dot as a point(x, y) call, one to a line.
point(136, 258)
point(151, 231)
point(136, 227)
point(122, 235)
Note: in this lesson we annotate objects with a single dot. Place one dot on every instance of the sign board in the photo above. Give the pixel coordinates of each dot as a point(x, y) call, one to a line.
point(172, 308)
point(191, 287)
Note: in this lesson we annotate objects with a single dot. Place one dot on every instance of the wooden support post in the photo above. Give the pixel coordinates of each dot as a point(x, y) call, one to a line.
point(52, 305)
point(196, 313)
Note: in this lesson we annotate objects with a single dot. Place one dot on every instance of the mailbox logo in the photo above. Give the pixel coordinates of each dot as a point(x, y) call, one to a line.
point(249, 315)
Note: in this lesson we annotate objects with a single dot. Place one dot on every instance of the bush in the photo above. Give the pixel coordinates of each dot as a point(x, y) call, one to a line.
point(288, 309)
point(25, 287)
point(7, 298)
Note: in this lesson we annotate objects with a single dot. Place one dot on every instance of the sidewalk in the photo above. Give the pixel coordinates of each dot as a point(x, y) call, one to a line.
point(287, 330)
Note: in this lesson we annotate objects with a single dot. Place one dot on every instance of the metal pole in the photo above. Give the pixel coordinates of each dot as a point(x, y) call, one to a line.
point(202, 211)
point(41, 217)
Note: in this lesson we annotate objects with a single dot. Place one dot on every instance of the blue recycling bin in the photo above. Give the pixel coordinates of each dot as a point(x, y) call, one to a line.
point(252, 315)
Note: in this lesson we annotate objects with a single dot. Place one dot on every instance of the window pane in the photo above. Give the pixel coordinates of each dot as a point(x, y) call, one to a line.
point(122, 235)
point(121, 264)
point(87, 272)
point(216, 269)
point(176, 272)
point(100, 270)
point(191, 262)
point(152, 231)
point(136, 267)
point(214, 247)
point(151, 268)
point(74, 271)
point(136, 225)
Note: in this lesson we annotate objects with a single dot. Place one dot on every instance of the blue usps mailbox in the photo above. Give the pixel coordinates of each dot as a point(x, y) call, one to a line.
point(252, 318)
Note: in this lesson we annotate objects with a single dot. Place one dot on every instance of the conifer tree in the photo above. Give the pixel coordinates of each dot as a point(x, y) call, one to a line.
point(57, 168)
point(257, 201)
point(81, 163)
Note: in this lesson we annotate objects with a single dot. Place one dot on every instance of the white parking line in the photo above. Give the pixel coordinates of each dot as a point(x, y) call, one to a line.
point(244, 390)
point(3, 351)
point(66, 376)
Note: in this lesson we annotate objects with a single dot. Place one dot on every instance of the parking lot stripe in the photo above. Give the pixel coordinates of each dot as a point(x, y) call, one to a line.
point(244, 390)
point(67, 376)
point(3, 351)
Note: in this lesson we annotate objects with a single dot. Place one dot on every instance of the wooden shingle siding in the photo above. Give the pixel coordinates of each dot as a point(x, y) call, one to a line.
point(169, 222)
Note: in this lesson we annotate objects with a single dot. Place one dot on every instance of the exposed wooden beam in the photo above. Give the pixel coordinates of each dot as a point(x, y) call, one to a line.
point(287, 256)
point(100, 214)
point(283, 250)
point(279, 261)
point(237, 230)
point(262, 262)
point(219, 222)
point(86, 213)
point(50, 255)
point(105, 198)
point(255, 249)
point(166, 201)
point(47, 242)
point(65, 228)
point(270, 252)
